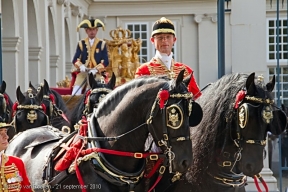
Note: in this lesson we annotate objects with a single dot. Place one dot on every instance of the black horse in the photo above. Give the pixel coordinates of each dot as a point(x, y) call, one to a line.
point(55, 106)
point(91, 98)
point(5, 104)
point(28, 111)
point(112, 156)
point(228, 144)
point(6, 107)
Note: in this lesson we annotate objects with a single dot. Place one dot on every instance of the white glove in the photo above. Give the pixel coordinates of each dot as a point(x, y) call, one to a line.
point(93, 71)
point(82, 68)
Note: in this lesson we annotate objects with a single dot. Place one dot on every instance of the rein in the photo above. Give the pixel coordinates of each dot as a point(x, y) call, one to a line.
point(54, 109)
point(258, 176)
point(241, 108)
point(161, 99)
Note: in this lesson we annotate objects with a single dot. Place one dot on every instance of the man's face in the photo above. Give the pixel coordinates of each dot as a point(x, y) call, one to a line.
point(3, 139)
point(91, 32)
point(163, 42)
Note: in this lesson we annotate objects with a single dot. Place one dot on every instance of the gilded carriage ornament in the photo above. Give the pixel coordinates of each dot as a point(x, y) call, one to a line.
point(174, 116)
point(267, 114)
point(243, 115)
point(123, 55)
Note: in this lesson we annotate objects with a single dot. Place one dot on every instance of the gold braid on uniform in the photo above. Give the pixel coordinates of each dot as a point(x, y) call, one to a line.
point(10, 177)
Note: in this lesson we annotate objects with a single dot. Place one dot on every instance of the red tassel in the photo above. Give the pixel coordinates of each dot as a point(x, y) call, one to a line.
point(239, 97)
point(67, 159)
point(163, 96)
point(86, 97)
point(6, 99)
point(14, 107)
point(52, 98)
point(74, 150)
point(43, 107)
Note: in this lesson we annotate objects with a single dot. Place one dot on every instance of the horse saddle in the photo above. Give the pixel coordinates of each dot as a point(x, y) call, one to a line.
point(46, 134)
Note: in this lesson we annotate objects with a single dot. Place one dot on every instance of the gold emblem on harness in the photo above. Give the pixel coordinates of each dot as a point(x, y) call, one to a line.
point(32, 116)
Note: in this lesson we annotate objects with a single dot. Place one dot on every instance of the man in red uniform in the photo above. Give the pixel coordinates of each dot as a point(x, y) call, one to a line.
point(163, 37)
point(13, 173)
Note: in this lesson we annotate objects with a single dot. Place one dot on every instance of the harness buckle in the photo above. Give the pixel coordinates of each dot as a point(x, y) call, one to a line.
point(138, 155)
point(165, 136)
point(160, 143)
point(226, 163)
point(162, 170)
point(154, 157)
point(181, 139)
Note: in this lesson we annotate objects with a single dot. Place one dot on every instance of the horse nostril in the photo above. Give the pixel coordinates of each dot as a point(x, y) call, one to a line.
point(185, 164)
point(249, 167)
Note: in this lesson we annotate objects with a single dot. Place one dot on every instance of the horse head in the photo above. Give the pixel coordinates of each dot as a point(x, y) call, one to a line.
point(148, 105)
point(98, 91)
point(256, 115)
point(5, 104)
point(90, 100)
point(29, 111)
point(175, 112)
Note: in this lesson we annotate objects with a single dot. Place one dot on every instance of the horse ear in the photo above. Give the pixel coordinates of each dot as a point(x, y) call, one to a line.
point(40, 94)
point(270, 85)
point(3, 87)
point(180, 77)
point(250, 84)
point(19, 95)
point(46, 88)
point(34, 90)
point(186, 81)
point(112, 81)
point(92, 82)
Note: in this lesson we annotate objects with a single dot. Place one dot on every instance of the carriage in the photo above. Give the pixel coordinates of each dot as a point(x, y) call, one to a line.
point(123, 60)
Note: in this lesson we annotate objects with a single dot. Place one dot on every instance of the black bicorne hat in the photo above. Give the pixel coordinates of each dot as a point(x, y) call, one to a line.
point(163, 25)
point(91, 23)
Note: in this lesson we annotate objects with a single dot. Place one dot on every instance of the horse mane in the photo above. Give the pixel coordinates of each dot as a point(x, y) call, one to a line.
point(118, 93)
point(77, 110)
point(217, 102)
point(59, 101)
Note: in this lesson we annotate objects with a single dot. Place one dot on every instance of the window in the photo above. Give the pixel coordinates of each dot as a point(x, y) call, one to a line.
point(272, 39)
point(140, 30)
point(283, 83)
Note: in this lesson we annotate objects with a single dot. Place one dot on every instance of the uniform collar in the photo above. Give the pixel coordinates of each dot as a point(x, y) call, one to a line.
point(91, 41)
point(166, 59)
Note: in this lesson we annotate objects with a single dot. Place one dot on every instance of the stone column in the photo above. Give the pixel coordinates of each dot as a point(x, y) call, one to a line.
point(34, 64)
point(60, 25)
point(54, 59)
point(44, 68)
point(10, 60)
point(207, 37)
point(22, 66)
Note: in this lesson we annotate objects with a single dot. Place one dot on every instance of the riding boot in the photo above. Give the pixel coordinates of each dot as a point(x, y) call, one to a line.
point(77, 90)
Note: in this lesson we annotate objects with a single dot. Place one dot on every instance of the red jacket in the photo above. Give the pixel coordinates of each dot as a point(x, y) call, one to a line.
point(156, 67)
point(13, 175)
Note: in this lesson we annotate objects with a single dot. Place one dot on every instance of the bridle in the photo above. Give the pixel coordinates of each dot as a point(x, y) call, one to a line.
point(101, 90)
point(172, 116)
point(32, 108)
point(240, 113)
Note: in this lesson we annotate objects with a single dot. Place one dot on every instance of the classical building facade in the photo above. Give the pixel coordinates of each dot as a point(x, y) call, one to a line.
point(39, 38)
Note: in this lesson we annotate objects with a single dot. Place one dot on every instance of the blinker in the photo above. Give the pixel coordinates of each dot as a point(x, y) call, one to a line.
point(174, 115)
